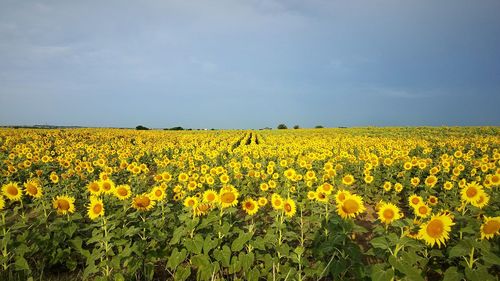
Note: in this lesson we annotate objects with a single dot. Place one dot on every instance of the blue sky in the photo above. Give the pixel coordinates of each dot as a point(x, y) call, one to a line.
point(250, 64)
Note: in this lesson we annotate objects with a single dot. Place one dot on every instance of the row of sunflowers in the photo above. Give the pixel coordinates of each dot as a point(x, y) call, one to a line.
point(307, 204)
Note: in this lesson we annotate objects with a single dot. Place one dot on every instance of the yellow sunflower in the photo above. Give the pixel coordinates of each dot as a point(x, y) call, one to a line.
point(414, 200)
point(277, 201)
point(12, 191)
point(94, 188)
point(436, 230)
point(122, 192)
point(2, 202)
point(158, 193)
point(483, 200)
point(311, 195)
point(431, 181)
point(262, 201)
point(64, 204)
point(448, 185)
point(387, 186)
point(341, 195)
point(250, 206)
point(54, 178)
point(348, 179)
point(388, 213)
point(432, 200)
point(201, 209)
point(95, 208)
point(422, 210)
point(107, 186)
point(472, 192)
point(351, 206)
point(143, 202)
point(228, 197)
point(490, 227)
point(32, 188)
point(326, 188)
point(210, 196)
point(289, 207)
point(190, 201)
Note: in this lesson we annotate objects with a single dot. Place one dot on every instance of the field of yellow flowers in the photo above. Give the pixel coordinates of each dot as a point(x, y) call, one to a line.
point(308, 204)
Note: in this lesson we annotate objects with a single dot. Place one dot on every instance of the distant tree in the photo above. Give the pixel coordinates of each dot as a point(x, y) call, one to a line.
point(319, 127)
point(175, 128)
point(296, 127)
point(140, 127)
point(282, 127)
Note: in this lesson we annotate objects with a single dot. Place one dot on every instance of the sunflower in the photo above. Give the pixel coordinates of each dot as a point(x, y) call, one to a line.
point(495, 180)
point(201, 209)
point(228, 196)
point(94, 188)
point(388, 213)
point(351, 206)
point(436, 230)
point(341, 195)
point(422, 210)
point(54, 178)
point(431, 181)
point(321, 197)
point(264, 186)
point(415, 181)
point(33, 188)
point(12, 191)
point(224, 178)
point(107, 186)
point(250, 206)
point(289, 207)
point(122, 192)
point(414, 200)
point(472, 192)
point(158, 193)
point(262, 201)
point(183, 177)
point(432, 200)
point(277, 201)
point(143, 202)
point(190, 201)
point(2, 202)
point(483, 200)
point(348, 179)
point(490, 227)
point(326, 188)
point(96, 208)
point(210, 196)
point(448, 185)
point(387, 186)
point(311, 195)
point(398, 187)
point(64, 204)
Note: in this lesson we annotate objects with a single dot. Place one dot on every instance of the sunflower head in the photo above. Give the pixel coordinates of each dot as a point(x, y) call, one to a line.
point(12, 191)
point(210, 196)
point(191, 201)
point(32, 188)
point(228, 197)
point(414, 200)
point(250, 206)
point(348, 179)
point(158, 193)
point(436, 230)
point(143, 202)
point(471, 192)
point(388, 213)
point(277, 201)
point(422, 210)
point(94, 188)
point(64, 204)
point(351, 206)
point(289, 207)
point(262, 201)
point(122, 192)
point(490, 227)
point(95, 208)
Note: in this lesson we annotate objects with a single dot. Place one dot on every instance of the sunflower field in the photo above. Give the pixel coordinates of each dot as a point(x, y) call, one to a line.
point(307, 204)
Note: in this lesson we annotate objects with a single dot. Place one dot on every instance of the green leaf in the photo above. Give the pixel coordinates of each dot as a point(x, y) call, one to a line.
point(194, 245)
point(119, 277)
point(182, 273)
point(240, 242)
point(380, 273)
point(200, 261)
point(89, 270)
point(253, 275)
point(406, 268)
point(479, 274)
point(491, 258)
point(70, 229)
point(380, 242)
point(209, 244)
point(247, 261)
point(223, 256)
point(463, 248)
point(21, 264)
point(299, 250)
point(452, 274)
point(176, 237)
point(176, 258)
